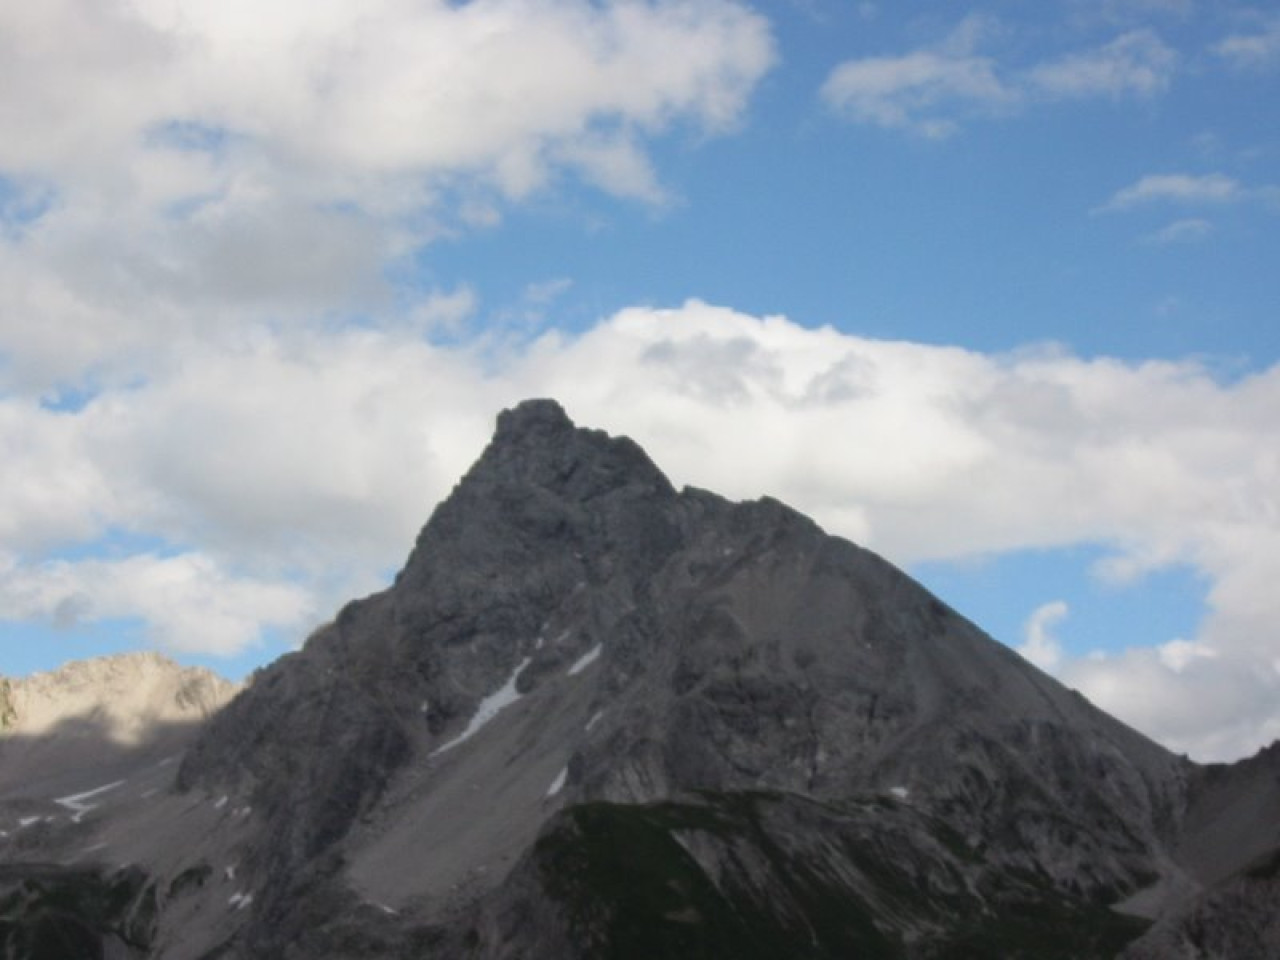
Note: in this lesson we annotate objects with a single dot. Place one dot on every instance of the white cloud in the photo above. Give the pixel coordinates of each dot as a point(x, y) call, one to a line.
point(309, 459)
point(929, 90)
point(910, 90)
point(188, 602)
point(203, 165)
point(1176, 188)
point(1039, 644)
point(1188, 230)
point(1259, 49)
point(1138, 63)
point(1214, 707)
point(342, 90)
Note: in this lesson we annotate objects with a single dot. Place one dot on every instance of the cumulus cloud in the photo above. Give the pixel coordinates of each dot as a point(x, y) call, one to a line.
point(1039, 645)
point(199, 165)
point(308, 460)
point(929, 90)
point(187, 602)
point(1214, 707)
point(342, 91)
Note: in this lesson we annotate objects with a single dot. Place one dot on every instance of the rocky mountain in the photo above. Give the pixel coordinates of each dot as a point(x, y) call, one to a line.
point(595, 716)
point(59, 722)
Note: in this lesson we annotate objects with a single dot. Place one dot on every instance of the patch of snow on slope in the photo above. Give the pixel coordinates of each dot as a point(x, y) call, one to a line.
point(595, 718)
point(239, 901)
point(489, 708)
point(900, 792)
point(585, 660)
point(76, 802)
point(558, 783)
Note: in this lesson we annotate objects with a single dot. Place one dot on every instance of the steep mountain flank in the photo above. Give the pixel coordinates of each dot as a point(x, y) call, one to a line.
point(595, 716)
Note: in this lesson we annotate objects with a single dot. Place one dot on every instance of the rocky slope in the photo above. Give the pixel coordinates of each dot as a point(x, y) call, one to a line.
point(595, 716)
point(80, 747)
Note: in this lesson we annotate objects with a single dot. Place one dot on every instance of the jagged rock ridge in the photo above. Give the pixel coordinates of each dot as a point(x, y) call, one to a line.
point(127, 693)
point(596, 716)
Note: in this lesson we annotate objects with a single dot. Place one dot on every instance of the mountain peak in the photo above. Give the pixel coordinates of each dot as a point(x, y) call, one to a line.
point(126, 694)
point(596, 717)
point(536, 417)
point(536, 445)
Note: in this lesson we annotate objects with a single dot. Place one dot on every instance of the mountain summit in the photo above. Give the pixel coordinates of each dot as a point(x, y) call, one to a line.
point(595, 716)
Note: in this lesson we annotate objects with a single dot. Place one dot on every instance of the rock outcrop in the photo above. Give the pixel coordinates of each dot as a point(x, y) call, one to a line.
point(595, 716)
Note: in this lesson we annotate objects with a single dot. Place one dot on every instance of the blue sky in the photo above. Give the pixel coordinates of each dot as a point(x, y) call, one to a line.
point(989, 289)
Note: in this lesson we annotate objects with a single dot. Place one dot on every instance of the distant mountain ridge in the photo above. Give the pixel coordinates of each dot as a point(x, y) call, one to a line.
point(59, 721)
point(595, 716)
point(128, 691)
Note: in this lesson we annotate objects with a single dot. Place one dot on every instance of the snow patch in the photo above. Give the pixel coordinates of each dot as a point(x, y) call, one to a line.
point(558, 783)
point(595, 718)
point(76, 802)
point(489, 708)
point(238, 901)
point(902, 793)
point(585, 660)
point(222, 802)
point(230, 872)
point(27, 821)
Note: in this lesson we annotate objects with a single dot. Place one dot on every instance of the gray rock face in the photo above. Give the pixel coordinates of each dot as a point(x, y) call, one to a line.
point(598, 717)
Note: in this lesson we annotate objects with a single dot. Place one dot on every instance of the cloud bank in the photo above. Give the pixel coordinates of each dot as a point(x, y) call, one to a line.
point(193, 166)
point(292, 471)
